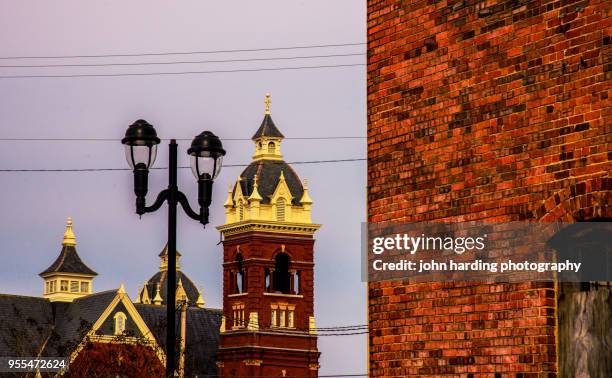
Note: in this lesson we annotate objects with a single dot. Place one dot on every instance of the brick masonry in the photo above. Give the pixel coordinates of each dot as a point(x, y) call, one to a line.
point(490, 110)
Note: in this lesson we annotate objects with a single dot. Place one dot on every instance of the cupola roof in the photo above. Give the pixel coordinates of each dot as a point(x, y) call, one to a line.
point(68, 260)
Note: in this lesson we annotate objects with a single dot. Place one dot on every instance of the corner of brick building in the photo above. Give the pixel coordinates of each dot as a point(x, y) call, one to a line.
point(495, 111)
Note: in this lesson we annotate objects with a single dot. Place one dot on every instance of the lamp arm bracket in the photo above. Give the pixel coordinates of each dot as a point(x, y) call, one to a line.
point(182, 199)
point(159, 201)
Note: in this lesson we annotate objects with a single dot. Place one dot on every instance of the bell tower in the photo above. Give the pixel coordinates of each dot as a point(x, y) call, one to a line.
point(268, 268)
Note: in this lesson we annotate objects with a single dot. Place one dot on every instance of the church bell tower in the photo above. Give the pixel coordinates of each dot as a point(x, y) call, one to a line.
point(268, 268)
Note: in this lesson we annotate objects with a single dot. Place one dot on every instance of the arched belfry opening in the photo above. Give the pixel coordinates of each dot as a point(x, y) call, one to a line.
point(239, 281)
point(282, 277)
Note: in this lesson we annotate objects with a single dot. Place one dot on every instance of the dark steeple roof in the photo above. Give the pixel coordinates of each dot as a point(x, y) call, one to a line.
point(161, 278)
point(164, 252)
point(268, 174)
point(69, 261)
point(267, 129)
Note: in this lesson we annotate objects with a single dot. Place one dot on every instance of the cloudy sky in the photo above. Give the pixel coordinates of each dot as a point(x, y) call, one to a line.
point(322, 102)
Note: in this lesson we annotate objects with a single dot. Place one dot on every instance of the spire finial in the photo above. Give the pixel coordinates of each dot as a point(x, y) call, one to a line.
point(69, 238)
point(157, 300)
point(268, 101)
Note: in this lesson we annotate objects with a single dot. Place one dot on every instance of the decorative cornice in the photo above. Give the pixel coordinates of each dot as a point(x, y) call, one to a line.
point(268, 226)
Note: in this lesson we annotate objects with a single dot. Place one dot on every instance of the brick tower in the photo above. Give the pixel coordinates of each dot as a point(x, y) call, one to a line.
point(491, 111)
point(268, 266)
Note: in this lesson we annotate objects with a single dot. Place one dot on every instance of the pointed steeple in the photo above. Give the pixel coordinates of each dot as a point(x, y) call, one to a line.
point(268, 137)
point(68, 277)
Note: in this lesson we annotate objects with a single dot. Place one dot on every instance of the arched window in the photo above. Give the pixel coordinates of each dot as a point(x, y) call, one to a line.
point(280, 209)
point(281, 278)
point(271, 148)
point(120, 323)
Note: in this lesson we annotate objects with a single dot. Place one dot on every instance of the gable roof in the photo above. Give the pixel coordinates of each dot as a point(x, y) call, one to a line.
point(202, 334)
point(79, 316)
point(68, 261)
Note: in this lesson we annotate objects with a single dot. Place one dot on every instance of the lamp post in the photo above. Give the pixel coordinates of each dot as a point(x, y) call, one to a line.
point(206, 160)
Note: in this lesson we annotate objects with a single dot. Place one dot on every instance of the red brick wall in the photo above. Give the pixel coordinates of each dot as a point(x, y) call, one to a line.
point(493, 110)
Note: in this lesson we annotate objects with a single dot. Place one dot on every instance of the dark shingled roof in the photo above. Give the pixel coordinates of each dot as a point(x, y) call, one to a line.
point(69, 261)
point(81, 314)
point(267, 129)
point(27, 322)
point(268, 175)
point(160, 277)
point(202, 334)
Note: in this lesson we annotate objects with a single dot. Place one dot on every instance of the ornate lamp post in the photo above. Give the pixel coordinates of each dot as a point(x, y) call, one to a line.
point(206, 157)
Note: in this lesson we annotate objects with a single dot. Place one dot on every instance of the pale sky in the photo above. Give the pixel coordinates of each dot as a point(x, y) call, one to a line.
point(111, 239)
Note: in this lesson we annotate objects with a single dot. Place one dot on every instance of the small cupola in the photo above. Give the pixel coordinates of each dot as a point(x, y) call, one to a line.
point(267, 138)
point(68, 277)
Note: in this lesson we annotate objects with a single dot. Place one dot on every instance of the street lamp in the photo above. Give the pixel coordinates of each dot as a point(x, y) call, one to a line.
point(206, 161)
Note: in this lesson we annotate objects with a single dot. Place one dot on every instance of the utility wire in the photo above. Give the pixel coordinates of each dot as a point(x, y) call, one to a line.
point(180, 73)
point(179, 62)
point(160, 168)
point(183, 53)
point(177, 139)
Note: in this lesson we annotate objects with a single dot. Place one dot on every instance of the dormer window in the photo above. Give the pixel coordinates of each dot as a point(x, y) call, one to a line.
point(120, 319)
point(271, 148)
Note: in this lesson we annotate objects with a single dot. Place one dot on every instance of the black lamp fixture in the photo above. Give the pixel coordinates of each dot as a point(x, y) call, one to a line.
point(206, 161)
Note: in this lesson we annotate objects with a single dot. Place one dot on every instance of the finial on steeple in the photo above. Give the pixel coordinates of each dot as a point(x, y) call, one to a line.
point(138, 294)
point(306, 200)
point(69, 238)
point(144, 298)
point(158, 299)
point(255, 196)
point(229, 202)
point(200, 302)
point(181, 295)
point(268, 101)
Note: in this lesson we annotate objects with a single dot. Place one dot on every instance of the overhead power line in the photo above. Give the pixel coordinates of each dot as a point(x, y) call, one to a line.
point(180, 73)
point(182, 52)
point(177, 62)
point(177, 139)
point(161, 168)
